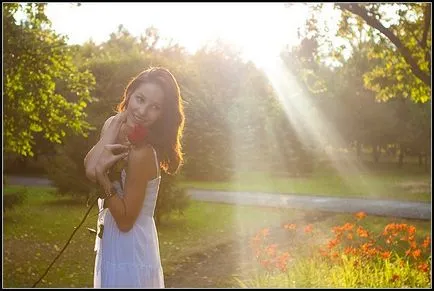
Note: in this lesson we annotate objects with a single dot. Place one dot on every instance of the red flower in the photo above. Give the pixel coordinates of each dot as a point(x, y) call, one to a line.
point(138, 134)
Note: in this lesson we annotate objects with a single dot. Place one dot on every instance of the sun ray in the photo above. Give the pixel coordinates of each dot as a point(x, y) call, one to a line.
point(312, 126)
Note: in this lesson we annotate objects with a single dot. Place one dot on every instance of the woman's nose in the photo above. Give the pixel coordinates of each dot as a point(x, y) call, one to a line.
point(143, 110)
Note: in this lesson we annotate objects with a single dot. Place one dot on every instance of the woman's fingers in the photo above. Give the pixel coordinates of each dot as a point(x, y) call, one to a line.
point(116, 148)
point(116, 158)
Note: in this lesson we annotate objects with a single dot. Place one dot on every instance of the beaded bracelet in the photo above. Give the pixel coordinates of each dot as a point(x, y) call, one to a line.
point(108, 194)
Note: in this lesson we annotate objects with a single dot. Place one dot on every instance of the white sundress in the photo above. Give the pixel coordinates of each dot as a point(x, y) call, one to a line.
point(129, 259)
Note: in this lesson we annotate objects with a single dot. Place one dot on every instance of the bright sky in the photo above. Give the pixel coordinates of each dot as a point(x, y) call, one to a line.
point(258, 29)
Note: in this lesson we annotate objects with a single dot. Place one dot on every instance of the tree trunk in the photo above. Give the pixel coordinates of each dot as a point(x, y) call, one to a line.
point(376, 153)
point(359, 150)
point(401, 157)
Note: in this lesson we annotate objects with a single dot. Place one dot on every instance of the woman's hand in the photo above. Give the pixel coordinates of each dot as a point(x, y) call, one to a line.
point(112, 131)
point(109, 136)
point(110, 155)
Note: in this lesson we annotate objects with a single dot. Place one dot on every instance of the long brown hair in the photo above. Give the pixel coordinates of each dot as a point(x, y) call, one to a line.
point(166, 133)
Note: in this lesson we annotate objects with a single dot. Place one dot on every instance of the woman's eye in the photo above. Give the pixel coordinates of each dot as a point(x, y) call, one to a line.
point(156, 107)
point(140, 99)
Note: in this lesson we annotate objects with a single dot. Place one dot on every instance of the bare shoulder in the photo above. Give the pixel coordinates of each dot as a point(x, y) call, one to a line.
point(143, 157)
point(108, 121)
point(107, 124)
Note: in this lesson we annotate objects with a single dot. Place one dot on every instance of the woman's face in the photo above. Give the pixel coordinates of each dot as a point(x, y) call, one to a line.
point(145, 105)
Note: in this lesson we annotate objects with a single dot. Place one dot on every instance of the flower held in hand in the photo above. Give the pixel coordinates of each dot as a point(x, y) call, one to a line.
point(138, 134)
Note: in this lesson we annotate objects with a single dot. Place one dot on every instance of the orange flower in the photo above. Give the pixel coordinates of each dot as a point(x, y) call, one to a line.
point(265, 232)
point(336, 229)
point(362, 232)
point(332, 243)
point(271, 250)
point(416, 253)
point(423, 267)
point(350, 250)
point(426, 242)
point(385, 255)
point(282, 261)
point(360, 215)
point(348, 226)
point(284, 256)
point(411, 230)
point(371, 252)
point(411, 238)
point(308, 228)
point(413, 245)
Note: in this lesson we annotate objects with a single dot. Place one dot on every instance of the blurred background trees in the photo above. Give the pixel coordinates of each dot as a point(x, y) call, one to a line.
point(375, 95)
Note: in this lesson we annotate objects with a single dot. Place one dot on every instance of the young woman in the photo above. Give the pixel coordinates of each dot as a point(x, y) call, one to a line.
point(127, 244)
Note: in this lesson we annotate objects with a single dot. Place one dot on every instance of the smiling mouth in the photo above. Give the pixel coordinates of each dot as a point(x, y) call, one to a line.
point(139, 120)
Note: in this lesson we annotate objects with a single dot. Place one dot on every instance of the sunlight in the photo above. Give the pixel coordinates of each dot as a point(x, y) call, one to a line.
point(258, 29)
point(312, 126)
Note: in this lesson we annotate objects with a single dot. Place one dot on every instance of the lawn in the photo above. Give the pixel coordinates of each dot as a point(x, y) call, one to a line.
point(383, 181)
point(35, 231)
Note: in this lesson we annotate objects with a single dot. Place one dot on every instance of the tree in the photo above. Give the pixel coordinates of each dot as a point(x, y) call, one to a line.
point(38, 66)
point(405, 45)
point(414, 43)
point(401, 33)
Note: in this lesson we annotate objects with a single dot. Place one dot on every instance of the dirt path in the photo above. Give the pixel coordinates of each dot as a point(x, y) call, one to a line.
point(217, 266)
point(207, 270)
point(214, 268)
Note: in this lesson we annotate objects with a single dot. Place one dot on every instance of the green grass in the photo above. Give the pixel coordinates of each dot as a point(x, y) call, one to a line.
point(34, 233)
point(409, 184)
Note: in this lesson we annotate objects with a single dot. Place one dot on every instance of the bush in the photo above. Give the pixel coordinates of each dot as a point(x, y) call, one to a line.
point(66, 169)
point(171, 197)
point(14, 198)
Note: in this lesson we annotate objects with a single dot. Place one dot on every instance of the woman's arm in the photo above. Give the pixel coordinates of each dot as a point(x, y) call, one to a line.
point(141, 168)
point(108, 136)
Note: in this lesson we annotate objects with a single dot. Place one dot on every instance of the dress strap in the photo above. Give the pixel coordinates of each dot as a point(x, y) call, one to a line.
point(157, 164)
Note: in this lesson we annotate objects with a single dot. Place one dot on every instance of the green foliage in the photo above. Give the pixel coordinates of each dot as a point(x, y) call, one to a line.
point(37, 66)
point(356, 112)
point(400, 45)
point(13, 198)
point(394, 78)
point(171, 197)
point(307, 273)
point(66, 169)
point(406, 57)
